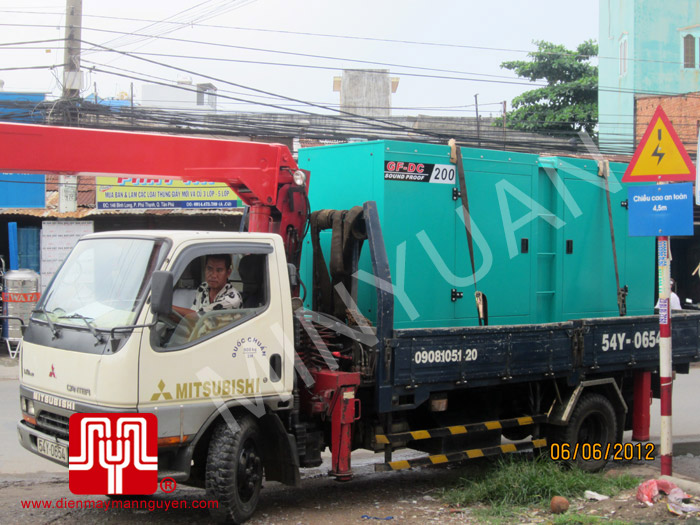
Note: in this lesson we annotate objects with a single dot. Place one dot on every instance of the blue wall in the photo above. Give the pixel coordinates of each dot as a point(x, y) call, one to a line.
point(20, 107)
point(660, 41)
point(22, 191)
point(654, 33)
point(615, 97)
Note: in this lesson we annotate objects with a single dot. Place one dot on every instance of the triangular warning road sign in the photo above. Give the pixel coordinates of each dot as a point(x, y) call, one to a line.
point(660, 156)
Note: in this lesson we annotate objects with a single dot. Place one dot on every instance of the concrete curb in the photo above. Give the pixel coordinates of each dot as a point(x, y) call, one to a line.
point(692, 487)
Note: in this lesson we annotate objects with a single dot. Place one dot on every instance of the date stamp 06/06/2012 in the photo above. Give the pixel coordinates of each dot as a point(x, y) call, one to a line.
point(597, 451)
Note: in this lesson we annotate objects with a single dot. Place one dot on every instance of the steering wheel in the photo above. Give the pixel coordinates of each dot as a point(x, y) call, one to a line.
point(168, 320)
point(200, 326)
point(173, 325)
point(213, 317)
point(179, 328)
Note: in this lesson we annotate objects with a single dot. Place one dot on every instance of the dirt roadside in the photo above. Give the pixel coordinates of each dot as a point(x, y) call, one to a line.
point(410, 497)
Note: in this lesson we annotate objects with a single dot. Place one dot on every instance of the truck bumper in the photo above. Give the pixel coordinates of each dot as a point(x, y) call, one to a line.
point(28, 439)
point(173, 464)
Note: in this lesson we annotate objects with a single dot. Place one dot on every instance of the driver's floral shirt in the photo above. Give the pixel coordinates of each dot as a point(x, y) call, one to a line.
point(227, 298)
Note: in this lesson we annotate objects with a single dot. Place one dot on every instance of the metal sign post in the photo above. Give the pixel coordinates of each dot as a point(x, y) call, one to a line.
point(665, 353)
point(660, 211)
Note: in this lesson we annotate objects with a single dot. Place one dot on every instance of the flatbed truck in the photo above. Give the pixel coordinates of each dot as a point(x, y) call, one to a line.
point(259, 392)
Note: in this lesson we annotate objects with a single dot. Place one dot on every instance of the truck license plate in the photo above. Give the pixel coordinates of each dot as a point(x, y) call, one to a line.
point(52, 450)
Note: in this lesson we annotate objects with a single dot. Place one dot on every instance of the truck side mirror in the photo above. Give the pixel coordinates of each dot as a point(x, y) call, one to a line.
point(162, 293)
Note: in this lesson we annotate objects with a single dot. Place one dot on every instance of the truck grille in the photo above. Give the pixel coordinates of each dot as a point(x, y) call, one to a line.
point(53, 424)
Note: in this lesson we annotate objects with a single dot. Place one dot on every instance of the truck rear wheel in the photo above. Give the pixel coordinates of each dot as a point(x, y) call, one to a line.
point(234, 470)
point(592, 422)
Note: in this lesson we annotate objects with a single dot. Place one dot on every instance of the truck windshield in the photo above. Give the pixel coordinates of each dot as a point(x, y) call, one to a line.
point(103, 282)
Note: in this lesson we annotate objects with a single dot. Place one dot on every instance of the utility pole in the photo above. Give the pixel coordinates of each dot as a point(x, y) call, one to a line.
point(478, 130)
point(68, 184)
point(71, 55)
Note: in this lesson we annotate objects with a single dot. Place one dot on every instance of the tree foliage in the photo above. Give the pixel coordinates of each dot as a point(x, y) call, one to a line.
point(569, 103)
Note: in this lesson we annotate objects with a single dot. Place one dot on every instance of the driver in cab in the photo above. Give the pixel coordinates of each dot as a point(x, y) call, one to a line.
point(216, 292)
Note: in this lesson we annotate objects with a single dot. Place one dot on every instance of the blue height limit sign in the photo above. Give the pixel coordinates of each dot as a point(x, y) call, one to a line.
point(665, 209)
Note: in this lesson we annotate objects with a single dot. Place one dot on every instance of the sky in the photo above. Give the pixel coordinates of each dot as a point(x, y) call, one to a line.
point(285, 53)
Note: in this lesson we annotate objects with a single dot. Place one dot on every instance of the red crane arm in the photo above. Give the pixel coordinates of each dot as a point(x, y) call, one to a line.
point(253, 170)
point(260, 174)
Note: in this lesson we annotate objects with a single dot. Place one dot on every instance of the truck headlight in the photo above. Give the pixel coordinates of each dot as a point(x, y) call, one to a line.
point(23, 403)
point(299, 178)
point(30, 407)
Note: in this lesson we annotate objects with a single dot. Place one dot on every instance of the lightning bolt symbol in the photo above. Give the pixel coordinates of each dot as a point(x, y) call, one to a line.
point(656, 152)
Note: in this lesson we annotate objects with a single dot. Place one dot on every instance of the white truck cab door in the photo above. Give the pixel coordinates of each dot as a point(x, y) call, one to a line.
point(238, 352)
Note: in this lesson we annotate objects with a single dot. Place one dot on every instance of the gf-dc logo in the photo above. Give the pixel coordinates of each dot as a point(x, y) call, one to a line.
point(113, 453)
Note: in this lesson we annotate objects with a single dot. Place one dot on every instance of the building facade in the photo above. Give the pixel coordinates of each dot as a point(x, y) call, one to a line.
point(647, 48)
point(366, 92)
point(181, 96)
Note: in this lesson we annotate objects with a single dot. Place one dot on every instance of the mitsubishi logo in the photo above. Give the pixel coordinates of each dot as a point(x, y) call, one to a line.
point(166, 395)
point(53, 372)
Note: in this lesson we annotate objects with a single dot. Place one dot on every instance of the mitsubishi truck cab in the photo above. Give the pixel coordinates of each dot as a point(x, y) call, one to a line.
point(97, 342)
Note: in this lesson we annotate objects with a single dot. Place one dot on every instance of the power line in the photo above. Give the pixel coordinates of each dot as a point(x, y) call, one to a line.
point(528, 83)
point(309, 55)
point(30, 48)
point(199, 15)
point(371, 39)
point(269, 125)
point(286, 64)
point(238, 85)
point(32, 42)
point(440, 77)
point(352, 118)
point(226, 120)
point(246, 87)
point(306, 55)
point(259, 125)
point(261, 91)
point(23, 68)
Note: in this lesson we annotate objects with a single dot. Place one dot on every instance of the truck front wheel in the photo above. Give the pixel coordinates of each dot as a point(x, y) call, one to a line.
point(592, 422)
point(234, 470)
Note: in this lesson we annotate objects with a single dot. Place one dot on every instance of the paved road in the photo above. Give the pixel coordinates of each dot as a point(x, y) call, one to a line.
point(25, 476)
point(16, 461)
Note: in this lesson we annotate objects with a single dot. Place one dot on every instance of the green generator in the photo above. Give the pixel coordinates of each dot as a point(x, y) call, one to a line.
point(540, 232)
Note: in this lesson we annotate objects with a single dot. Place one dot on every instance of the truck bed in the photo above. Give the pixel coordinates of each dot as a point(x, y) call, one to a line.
point(492, 355)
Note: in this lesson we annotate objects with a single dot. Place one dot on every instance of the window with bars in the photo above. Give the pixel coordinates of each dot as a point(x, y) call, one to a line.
point(689, 52)
point(623, 56)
